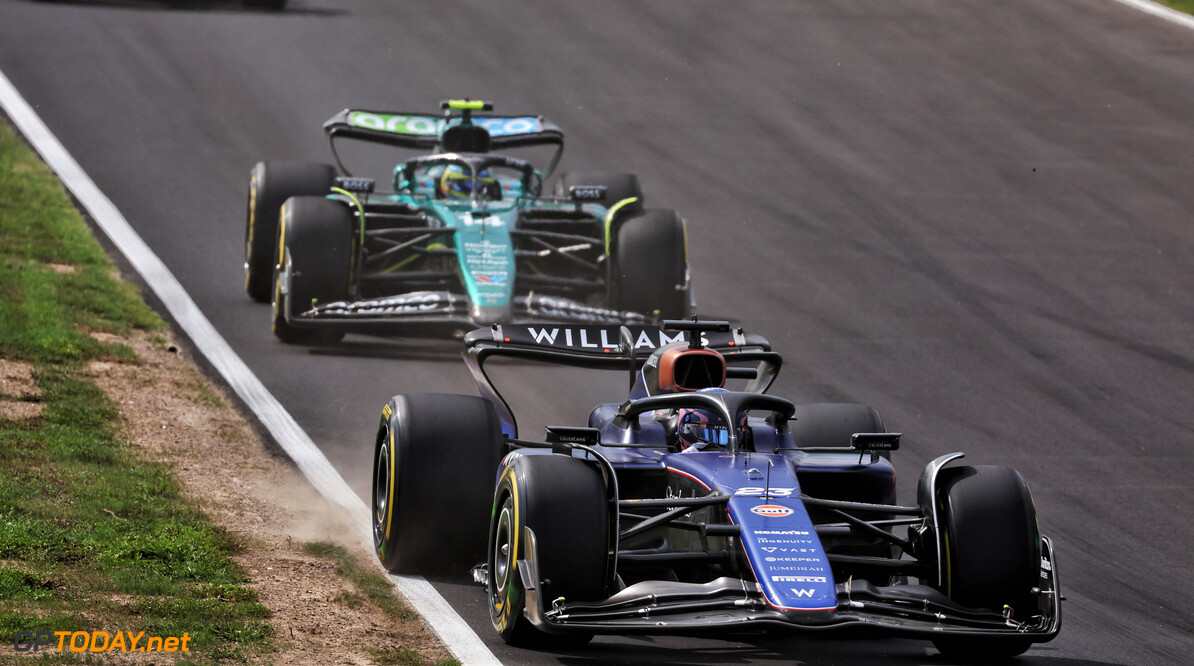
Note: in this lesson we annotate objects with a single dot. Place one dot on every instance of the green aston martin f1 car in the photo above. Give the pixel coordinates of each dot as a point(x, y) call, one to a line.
point(464, 236)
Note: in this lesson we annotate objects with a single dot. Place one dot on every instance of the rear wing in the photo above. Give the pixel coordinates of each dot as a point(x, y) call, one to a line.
point(423, 131)
point(613, 348)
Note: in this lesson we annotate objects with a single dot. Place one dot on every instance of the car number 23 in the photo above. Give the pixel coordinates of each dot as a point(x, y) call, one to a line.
point(769, 492)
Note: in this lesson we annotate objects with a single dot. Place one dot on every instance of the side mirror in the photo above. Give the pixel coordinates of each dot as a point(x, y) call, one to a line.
point(563, 438)
point(875, 441)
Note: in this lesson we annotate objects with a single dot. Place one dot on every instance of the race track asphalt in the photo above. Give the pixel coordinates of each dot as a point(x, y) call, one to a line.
point(974, 216)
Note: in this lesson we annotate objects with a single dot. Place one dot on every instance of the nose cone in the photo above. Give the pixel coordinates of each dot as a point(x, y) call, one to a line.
point(486, 315)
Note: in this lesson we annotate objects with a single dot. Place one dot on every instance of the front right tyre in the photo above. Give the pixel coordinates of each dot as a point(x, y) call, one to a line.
point(992, 552)
point(649, 262)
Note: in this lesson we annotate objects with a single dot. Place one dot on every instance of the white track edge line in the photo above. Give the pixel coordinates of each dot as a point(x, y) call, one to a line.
point(1159, 10)
point(459, 638)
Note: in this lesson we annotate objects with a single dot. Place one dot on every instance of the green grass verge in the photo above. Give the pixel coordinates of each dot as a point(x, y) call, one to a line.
point(1186, 6)
point(93, 538)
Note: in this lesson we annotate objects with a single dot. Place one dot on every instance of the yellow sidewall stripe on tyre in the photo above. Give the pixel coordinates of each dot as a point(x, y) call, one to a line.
point(609, 217)
point(505, 608)
point(393, 482)
point(252, 215)
point(282, 232)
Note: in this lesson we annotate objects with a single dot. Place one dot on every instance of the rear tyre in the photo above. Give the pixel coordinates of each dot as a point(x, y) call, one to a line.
point(992, 551)
point(618, 187)
point(270, 184)
point(650, 265)
point(562, 500)
point(434, 460)
point(316, 257)
point(833, 423)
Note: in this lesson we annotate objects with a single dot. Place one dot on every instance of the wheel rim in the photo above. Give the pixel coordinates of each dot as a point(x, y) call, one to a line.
point(502, 545)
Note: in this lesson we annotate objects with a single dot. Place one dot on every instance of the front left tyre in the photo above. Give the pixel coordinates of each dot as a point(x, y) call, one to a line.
point(315, 257)
point(434, 461)
point(270, 184)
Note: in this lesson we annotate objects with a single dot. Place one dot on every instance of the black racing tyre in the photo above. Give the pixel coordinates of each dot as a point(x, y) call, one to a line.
point(434, 462)
point(992, 551)
point(270, 184)
point(618, 187)
point(315, 252)
point(832, 423)
point(650, 265)
point(563, 501)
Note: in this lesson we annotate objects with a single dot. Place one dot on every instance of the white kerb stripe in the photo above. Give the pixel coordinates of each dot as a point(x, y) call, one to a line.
point(1171, 15)
point(458, 637)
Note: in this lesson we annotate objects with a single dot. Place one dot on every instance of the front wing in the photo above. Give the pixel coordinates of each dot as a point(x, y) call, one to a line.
point(393, 313)
point(665, 607)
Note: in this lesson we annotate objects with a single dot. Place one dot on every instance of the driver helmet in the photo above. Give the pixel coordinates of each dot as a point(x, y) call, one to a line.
point(455, 183)
point(701, 429)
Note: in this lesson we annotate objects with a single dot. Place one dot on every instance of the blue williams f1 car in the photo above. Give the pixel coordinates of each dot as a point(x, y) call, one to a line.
point(464, 237)
point(691, 508)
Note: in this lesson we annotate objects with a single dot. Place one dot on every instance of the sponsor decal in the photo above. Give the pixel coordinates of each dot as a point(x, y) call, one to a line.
point(665, 338)
point(581, 339)
point(803, 592)
point(418, 302)
point(771, 511)
point(565, 249)
point(355, 184)
point(804, 568)
point(510, 126)
point(562, 308)
point(599, 338)
point(485, 254)
point(587, 192)
point(425, 125)
point(397, 123)
point(782, 532)
point(789, 541)
point(485, 249)
point(792, 559)
point(471, 220)
point(800, 579)
point(408, 303)
point(489, 263)
point(770, 492)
